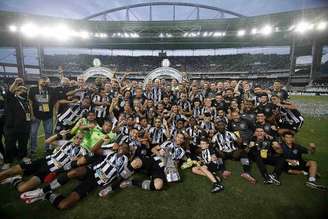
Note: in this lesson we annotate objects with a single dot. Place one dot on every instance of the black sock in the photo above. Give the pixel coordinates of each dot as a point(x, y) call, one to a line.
point(54, 199)
point(16, 182)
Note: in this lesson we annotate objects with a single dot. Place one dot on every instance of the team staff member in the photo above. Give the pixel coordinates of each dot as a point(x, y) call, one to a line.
point(18, 121)
point(42, 99)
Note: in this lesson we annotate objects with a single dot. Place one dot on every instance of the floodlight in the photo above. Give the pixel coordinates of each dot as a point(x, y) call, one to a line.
point(266, 30)
point(30, 30)
point(303, 27)
point(63, 32)
point(241, 33)
point(321, 25)
point(85, 35)
point(13, 28)
point(254, 31)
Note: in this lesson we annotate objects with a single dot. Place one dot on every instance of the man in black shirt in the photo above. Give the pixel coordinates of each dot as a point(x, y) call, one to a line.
point(17, 124)
point(42, 99)
point(270, 130)
point(248, 111)
point(277, 90)
point(241, 127)
point(266, 107)
point(263, 151)
point(293, 155)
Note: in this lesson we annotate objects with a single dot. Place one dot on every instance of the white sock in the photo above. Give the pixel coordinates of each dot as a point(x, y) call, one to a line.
point(311, 179)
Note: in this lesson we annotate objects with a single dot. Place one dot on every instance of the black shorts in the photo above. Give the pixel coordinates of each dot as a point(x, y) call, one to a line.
point(301, 166)
point(213, 167)
point(87, 185)
point(157, 172)
point(37, 168)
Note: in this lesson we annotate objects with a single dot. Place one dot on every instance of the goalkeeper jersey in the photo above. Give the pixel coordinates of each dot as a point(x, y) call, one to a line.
point(94, 135)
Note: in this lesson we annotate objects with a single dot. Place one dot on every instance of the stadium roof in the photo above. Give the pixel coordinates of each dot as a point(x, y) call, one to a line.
point(79, 9)
point(171, 34)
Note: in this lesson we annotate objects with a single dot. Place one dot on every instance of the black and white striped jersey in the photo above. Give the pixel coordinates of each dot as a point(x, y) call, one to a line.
point(185, 105)
point(292, 116)
point(157, 94)
point(125, 129)
point(196, 112)
point(64, 154)
point(207, 126)
point(174, 131)
point(211, 110)
point(71, 115)
point(198, 95)
point(100, 110)
point(110, 168)
point(136, 148)
point(206, 155)
point(176, 152)
point(157, 135)
point(225, 141)
point(195, 134)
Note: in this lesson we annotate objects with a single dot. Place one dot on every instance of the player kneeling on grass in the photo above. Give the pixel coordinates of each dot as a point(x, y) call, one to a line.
point(67, 152)
point(161, 168)
point(293, 154)
point(264, 151)
point(102, 172)
point(209, 165)
point(76, 170)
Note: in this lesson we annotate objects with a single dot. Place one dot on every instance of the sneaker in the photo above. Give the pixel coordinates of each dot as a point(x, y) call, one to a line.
point(217, 188)
point(37, 193)
point(314, 185)
point(126, 184)
point(104, 192)
point(5, 166)
point(189, 163)
point(27, 160)
point(274, 179)
point(226, 174)
point(248, 178)
point(10, 179)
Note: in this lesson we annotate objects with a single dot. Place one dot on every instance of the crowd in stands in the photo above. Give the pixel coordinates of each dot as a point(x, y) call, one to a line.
point(219, 63)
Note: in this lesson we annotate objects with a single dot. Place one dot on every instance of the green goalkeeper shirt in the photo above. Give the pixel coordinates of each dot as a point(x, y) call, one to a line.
point(94, 135)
